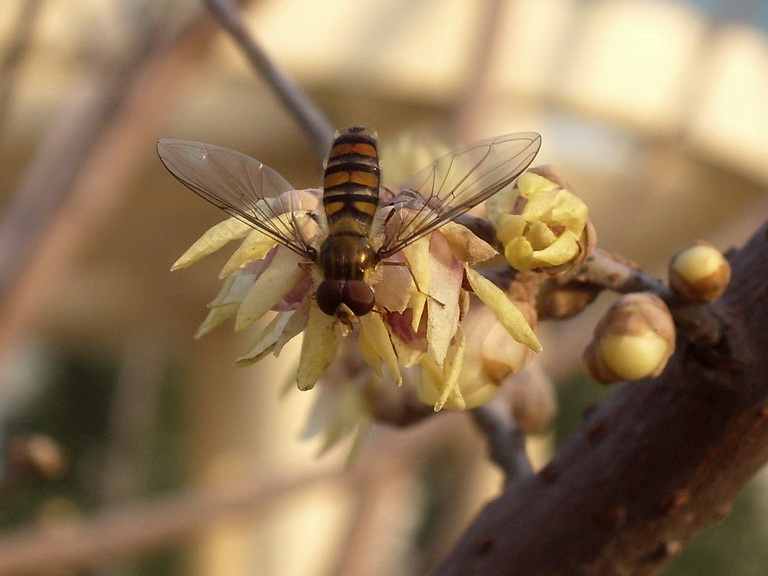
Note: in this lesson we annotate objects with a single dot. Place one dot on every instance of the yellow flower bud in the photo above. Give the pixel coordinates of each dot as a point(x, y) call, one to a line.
point(699, 273)
point(541, 223)
point(633, 340)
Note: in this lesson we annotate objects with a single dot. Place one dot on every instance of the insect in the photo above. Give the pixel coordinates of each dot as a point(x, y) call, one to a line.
point(354, 215)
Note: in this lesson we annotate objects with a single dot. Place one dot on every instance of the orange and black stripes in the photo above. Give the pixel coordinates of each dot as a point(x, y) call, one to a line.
point(351, 182)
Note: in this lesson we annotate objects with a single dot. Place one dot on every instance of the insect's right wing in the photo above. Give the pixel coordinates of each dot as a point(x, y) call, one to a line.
point(238, 184)
point(455, 183)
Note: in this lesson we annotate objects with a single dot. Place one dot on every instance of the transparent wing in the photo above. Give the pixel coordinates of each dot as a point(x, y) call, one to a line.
point(238, 184)
point(453, 184)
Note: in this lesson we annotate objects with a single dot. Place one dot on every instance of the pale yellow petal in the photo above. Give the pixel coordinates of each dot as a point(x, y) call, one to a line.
point(409, 355)
point(531, 184)
point(394, 284)
point(562, 250)
point(279, 278)
point(266, 340)
point(478, 395)
point(418, 264)
point(509, 226)
point(446, 276)
point(369, 354)
point(508, 314)
point(230, 286)
point(451, 396)
point(216, 316)
point(519, 253)
point(438, 385)
point(428, 385)
point(372, 326)
point(321, 341)
point(540, 235)
point(256, 246)
point(296, 325)
point(215, 238)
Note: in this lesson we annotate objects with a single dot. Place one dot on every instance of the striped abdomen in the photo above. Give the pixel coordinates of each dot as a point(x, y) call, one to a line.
point(351, 183)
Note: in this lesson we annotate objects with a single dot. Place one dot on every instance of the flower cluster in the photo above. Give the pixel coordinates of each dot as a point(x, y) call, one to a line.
point(422, 296)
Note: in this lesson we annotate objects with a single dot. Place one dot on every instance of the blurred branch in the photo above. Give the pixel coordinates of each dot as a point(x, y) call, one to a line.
point(17, 47)
point(506, 439)
point(654, 464)
point(134, 408)
point(132, 529)
point(310, 118)
point(472, 105)
point(83, 169)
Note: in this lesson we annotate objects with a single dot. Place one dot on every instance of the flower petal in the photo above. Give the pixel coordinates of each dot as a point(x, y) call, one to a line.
point(256, 246)
point(266, 340)
point(563, 249)
point(321, 341)
point(216, 316)
point(438, 385)
point(465, 245)
point(446, 275)
point(452, 394)
point(277, 280)
point(394, 284)
point(375, 332)
point(417, 255)
point(508, 314)
point(216, 237)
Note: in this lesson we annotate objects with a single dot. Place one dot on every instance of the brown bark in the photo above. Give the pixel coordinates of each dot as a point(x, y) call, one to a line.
point(653, 465)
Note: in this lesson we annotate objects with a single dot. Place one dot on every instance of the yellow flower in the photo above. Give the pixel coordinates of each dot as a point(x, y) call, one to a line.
point(420, 301)
point(422, 294)
point(540, 223)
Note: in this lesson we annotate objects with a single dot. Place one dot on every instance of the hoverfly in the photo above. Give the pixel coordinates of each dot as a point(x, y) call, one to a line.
point(355, 218)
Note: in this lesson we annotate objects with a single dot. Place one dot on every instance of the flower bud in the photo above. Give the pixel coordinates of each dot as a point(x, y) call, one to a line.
point(699, 273)
point(633, 340)
point(541, 224)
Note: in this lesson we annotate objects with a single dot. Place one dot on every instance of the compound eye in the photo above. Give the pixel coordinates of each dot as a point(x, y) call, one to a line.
point(329, 296)
point(358, 296)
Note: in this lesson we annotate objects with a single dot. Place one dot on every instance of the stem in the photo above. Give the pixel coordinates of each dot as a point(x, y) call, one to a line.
point(506, 440)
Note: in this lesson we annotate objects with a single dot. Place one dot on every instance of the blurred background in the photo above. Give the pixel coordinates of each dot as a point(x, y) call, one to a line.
point(131, 449)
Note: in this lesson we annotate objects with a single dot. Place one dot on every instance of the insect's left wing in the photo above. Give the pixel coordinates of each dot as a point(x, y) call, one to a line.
point(457, 182)
point(238, 184)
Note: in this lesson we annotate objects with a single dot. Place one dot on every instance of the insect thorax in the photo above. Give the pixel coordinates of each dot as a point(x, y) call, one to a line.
point(346, 257)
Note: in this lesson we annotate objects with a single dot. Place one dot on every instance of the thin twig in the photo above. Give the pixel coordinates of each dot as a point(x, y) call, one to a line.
point(311, 119)
point(506, 439)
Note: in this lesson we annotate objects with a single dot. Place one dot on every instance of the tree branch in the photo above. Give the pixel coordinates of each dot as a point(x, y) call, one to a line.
point(653, 465)
point(299, 105)
point(506, 439)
